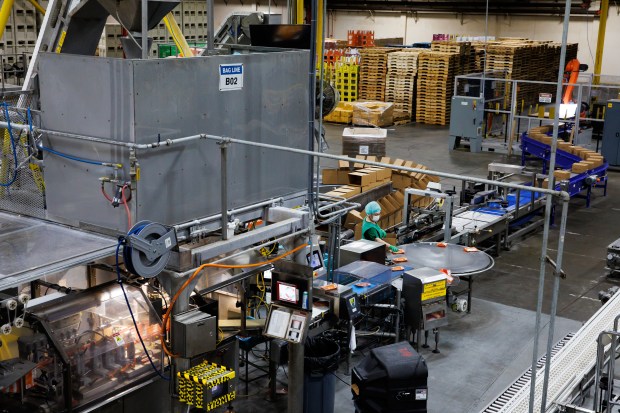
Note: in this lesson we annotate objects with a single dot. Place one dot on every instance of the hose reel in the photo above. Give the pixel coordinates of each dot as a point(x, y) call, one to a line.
point(147, 248)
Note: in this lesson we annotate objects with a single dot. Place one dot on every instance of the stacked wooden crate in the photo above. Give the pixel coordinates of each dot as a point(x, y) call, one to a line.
point(436, 71)
point(401, 87)
point(373, 69)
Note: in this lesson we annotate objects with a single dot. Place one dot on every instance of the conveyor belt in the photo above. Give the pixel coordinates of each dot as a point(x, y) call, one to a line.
point(524, 380)
point(575, 359)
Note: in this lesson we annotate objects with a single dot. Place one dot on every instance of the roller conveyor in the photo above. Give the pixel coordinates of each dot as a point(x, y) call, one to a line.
point(574, 360)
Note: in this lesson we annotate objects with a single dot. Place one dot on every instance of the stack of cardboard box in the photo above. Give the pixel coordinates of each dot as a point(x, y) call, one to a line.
point(391, 214)
point(354, 180)
point(342, 114)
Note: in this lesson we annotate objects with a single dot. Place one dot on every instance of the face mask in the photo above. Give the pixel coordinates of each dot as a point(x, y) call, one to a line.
point(376, 217)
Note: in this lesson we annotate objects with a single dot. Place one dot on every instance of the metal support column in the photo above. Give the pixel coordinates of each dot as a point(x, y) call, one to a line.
point(548, 205)
point(300, 11)
point(210, 28)
point(295, 402)
point(145, 29)
point(600, 42)
point(224, 188)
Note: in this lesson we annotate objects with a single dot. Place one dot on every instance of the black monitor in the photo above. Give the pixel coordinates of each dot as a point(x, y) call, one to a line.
point(286, 36)
point(315, 260)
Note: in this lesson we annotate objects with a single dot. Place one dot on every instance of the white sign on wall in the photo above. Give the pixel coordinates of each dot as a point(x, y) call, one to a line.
point(231, 77)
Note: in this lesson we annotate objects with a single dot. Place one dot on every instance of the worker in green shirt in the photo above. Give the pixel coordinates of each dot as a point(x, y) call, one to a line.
point(370, 230)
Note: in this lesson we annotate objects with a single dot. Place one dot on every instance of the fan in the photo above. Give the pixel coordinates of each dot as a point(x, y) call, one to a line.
point(330, 97)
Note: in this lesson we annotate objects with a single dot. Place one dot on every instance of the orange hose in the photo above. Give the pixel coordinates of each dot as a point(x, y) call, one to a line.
point(166, 318)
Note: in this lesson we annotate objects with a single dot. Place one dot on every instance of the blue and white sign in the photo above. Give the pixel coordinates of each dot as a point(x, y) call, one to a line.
point(231, 77)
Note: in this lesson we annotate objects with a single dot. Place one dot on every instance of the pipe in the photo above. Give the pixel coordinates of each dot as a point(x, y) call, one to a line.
point(246, 250)
point(600, 42)
point(5, 13)
point(563, 194)
point(312, 103)
point(145, 29)
point(37, 6)
point(210, 28)
point(224, 189)
point(186, 225)
point(548, 201)
point(300, 11)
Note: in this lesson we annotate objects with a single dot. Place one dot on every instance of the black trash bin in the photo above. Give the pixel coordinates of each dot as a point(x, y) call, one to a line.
point(320, 361)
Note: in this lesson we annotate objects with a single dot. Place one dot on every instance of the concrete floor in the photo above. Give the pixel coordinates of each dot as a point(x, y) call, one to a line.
point(486, 350)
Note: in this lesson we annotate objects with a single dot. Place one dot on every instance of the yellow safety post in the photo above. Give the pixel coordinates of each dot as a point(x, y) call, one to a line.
point(300, 11)
point(37, 6)
point(541, 111)
point(552, 112)
point(177, 36)
point(319, 31)
point(5, 12)
point(600, 43)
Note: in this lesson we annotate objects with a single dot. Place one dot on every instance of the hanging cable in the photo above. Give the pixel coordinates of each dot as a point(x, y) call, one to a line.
point(135, 324)
point(78, 159)
point(13, 146)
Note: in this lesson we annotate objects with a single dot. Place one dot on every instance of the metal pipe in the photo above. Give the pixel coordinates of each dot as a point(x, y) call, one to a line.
point(447, 175)
point(554, 303)
point(548, 201)
point(37, 6)
point(245, 251)
point(224, 189)
point(210, 28)
point(5, 13)
point(311, 102)
point(145, 29)
point(299, 9)
point(231, 212)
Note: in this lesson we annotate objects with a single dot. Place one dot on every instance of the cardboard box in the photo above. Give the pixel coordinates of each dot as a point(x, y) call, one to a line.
point(383, 174)
point(358, 165)
point(399, 197)
point(598, 160)
point(367, 188)
point(361, 178)
point(409, 164)
point(344, 165)
point(353, 218)
point(371, 113)
point(349, 190)
point(357, 231)
point(385, 159)
point(401, 181)
point(564, 146)
point(580, 167)
point(364, 141)
point(335, 177)
point(561, 175)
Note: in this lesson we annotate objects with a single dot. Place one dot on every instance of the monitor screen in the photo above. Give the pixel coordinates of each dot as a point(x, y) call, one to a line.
point(315, 260)
point(288, 293)
point(289, 36)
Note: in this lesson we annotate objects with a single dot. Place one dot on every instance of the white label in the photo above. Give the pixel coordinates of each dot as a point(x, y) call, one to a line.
point(168, 242)
point(231, 77)
point(420, 394)
point(363, 150)
point(464, 103)
point(544, 97)
point(118, 339)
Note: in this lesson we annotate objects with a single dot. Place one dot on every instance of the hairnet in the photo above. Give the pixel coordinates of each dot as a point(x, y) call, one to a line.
point(373, 208)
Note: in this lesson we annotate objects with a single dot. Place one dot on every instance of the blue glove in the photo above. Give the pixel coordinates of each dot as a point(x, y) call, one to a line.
point(393, 249)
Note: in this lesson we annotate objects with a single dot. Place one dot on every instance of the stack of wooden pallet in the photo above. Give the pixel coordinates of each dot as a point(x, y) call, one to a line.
point(465, 51)
point(401, 83)
point(436, 71)
point(373, 69)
